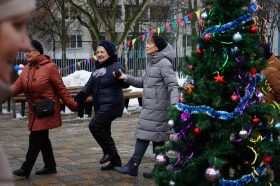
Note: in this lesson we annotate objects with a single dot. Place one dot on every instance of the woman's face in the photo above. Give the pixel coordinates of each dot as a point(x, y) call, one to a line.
point(151, 47)
point(32, 54)
point(102, 54)
point(13, 36)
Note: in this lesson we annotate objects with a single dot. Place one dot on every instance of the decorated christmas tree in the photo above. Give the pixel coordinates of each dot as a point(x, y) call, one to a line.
point(222, 130)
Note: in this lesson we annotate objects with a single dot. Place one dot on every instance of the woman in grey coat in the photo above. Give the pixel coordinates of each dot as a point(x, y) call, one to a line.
point(160, 90)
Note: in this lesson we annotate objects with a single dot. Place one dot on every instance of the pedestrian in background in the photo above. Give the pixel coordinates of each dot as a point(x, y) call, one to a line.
point(43, 87)
point(14, 15)
point(160, 90)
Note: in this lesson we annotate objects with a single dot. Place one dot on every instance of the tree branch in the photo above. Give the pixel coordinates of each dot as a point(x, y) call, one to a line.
point(132, 21)
point(94, 29)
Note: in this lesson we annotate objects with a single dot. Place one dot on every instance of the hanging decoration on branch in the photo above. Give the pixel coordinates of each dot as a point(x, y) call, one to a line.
point(231, 25)
point(252, 177)
point(223, 115)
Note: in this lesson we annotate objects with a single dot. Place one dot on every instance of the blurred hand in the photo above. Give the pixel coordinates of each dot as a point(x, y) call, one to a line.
point(119, 74)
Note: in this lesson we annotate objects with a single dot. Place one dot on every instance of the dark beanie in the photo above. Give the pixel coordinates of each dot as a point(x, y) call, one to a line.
point(109, 47)
point(38, 46)
point(160, 42)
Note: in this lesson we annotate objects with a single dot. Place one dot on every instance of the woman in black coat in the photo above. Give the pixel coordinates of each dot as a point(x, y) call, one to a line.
point(108, 101)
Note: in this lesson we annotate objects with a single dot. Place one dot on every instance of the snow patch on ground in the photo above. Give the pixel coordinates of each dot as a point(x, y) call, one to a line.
point(19, 116)
point(5, 111)
point(78, 78)
point(86, 117)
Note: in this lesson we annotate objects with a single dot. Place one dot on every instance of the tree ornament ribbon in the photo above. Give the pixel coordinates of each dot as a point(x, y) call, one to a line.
point(224, 115)
point(231, 25)
point(223, 66)
point(255, 153)
point(228, 26)
point(252, 177)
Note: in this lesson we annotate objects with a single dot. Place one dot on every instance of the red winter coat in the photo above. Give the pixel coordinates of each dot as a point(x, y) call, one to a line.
point(44, 81)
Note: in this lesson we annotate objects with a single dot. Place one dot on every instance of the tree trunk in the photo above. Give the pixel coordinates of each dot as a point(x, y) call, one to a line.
point(63, 37)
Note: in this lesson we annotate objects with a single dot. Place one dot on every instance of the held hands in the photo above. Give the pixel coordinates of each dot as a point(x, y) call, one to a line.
point(119, 74)
point(80, 98)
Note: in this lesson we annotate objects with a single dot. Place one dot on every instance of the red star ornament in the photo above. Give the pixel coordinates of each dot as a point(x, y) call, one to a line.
point(219, 79)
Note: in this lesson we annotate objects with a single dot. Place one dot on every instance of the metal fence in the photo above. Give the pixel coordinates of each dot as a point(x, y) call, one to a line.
point(136, 62)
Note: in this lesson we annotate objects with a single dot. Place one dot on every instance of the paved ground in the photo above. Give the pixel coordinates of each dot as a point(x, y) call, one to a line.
point(76, 152)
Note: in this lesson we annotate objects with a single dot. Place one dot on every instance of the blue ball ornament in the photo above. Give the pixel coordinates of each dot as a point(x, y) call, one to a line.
point(16, 68)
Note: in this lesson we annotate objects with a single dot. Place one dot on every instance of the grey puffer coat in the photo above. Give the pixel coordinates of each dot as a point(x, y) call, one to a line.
point(160, 90)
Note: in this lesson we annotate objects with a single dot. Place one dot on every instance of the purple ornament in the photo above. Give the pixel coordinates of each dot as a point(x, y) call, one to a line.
point(185, 116)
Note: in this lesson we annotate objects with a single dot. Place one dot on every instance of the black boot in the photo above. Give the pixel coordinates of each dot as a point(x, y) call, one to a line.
point(22, 173)
point(115, 162)
point(131, 168)
point(46, 170)
point(106, 158)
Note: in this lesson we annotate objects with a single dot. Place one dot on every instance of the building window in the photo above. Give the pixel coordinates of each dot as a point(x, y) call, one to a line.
point(184, 41)
point(159, 13)
point(130, 12)
point(70, 12)
point(189, 40)
point(76, 41)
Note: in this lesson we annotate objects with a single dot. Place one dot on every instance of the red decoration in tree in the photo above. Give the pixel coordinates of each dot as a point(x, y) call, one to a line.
point(196, 131)
point(254, 29)
point(207, 37)
point(190, 66)
point(219, 79)
point(234, 97)
point(253, 72)
point(198, 51)
point(255, 120)
point(209, 7)
point(267, 159)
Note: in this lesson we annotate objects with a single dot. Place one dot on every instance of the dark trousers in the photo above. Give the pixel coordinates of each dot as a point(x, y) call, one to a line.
point(39, 141)
point(100, 128)
point(141, 147)
point(85, 108)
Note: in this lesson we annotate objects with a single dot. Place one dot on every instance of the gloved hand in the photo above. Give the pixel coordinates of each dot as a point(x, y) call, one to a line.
point(119, 74)
point(80, 97)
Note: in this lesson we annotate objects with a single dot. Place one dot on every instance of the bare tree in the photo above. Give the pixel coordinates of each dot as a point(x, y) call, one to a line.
point(102, 15)
point(52, 22)
point(268, 18)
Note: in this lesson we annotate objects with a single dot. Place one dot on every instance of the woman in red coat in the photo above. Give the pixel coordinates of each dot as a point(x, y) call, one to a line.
point(40, 80)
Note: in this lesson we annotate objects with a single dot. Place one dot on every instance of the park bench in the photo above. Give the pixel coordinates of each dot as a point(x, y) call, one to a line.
point(128, 94)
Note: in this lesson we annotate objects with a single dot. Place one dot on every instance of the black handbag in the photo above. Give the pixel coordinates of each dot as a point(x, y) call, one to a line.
point(44, 108)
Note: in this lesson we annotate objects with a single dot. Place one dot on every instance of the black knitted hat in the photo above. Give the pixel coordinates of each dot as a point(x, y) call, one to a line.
point(38, 46)
point(160, 42)
point(109, 47)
